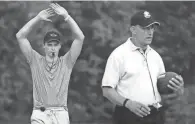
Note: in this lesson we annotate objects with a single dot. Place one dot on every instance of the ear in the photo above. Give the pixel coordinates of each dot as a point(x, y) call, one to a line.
point(133, 30)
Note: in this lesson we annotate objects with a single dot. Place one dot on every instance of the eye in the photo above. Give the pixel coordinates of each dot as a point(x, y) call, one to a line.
point(49, 44)
point(56, 44)
point(149, 28)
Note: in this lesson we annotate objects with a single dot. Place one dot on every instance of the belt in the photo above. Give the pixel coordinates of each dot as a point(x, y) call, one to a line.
point(123, 112)
point(155, 109)
point(51, 108)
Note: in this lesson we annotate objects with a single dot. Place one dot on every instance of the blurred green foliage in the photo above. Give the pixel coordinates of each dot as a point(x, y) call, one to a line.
point(105, 25)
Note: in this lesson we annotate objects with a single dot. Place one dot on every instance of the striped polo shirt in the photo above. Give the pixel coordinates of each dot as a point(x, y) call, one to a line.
point(50, 88)
point(134, 73)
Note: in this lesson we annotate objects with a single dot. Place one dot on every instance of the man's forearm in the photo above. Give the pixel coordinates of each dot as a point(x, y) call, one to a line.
point(113, 96)
point(26, 29)
point(78, 34)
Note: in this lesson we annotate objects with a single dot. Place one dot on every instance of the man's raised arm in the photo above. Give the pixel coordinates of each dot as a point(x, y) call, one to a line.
point(78, 34)
point(23, 33)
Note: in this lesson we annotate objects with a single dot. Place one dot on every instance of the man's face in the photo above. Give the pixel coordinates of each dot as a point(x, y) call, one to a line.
point(52, 48)
point(144, 35)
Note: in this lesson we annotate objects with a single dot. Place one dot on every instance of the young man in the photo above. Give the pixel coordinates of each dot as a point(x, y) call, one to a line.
point(50, 73)
point(131, 74)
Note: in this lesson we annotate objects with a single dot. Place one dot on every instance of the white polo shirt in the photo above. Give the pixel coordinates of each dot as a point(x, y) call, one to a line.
point(132, 73)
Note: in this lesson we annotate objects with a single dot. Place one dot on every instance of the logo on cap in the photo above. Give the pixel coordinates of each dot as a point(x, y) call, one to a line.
point(53, 35)
point(147, 14)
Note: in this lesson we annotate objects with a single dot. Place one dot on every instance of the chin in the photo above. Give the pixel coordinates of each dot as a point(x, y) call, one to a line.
point(148, 42)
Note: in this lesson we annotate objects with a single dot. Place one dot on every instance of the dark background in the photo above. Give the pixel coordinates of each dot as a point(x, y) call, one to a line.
point(105, 25)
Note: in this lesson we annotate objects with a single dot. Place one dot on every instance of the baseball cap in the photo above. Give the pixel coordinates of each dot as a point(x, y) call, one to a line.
point(143, 18)
point(52, 36)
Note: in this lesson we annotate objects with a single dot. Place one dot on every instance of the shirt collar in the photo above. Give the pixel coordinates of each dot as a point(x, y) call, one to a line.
point(133, 47)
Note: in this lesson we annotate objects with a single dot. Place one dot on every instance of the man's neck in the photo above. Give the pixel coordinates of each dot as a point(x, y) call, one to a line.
point(51, 59)
point(136, 43)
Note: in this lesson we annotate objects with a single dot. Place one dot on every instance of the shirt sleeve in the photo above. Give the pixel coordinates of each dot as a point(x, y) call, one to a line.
point(66, 60)
point(32, 56)
point(112, 72)
point(161, 67)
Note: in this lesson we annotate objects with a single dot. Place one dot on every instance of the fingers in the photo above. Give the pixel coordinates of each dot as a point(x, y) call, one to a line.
point(142, 110)
point(138, 108)
point(180, 79)
point(176, 83)
point(140, 113)
point(49, 10)
point(50, 14)
point(145, 108)
point(49, 20)
point(52, 5)
point(172, 85)
point(58, 5)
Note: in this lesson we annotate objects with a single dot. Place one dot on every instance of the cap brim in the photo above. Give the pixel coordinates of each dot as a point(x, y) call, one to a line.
point(53, 40)
point(153, 23)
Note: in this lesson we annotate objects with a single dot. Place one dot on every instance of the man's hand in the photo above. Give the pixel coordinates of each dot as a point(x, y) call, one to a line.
point(45, 14)
point(177, 85)
point(138, 108)
point(59, 10)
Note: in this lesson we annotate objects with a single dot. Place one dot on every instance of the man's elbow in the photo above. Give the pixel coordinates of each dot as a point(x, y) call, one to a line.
point(20, 35)
point(17, 35)
point(81, 37)
point(105, 92)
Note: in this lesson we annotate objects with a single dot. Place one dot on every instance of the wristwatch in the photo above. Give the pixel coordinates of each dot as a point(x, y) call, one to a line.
point(125, 101)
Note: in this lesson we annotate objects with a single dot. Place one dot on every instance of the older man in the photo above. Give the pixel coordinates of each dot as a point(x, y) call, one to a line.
point(130, 77)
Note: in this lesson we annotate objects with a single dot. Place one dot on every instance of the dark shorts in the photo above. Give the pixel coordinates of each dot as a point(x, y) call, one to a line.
point(123, 115)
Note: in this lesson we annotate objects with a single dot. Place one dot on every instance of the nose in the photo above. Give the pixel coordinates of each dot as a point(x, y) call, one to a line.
point(151, 31)
point(53, 48)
